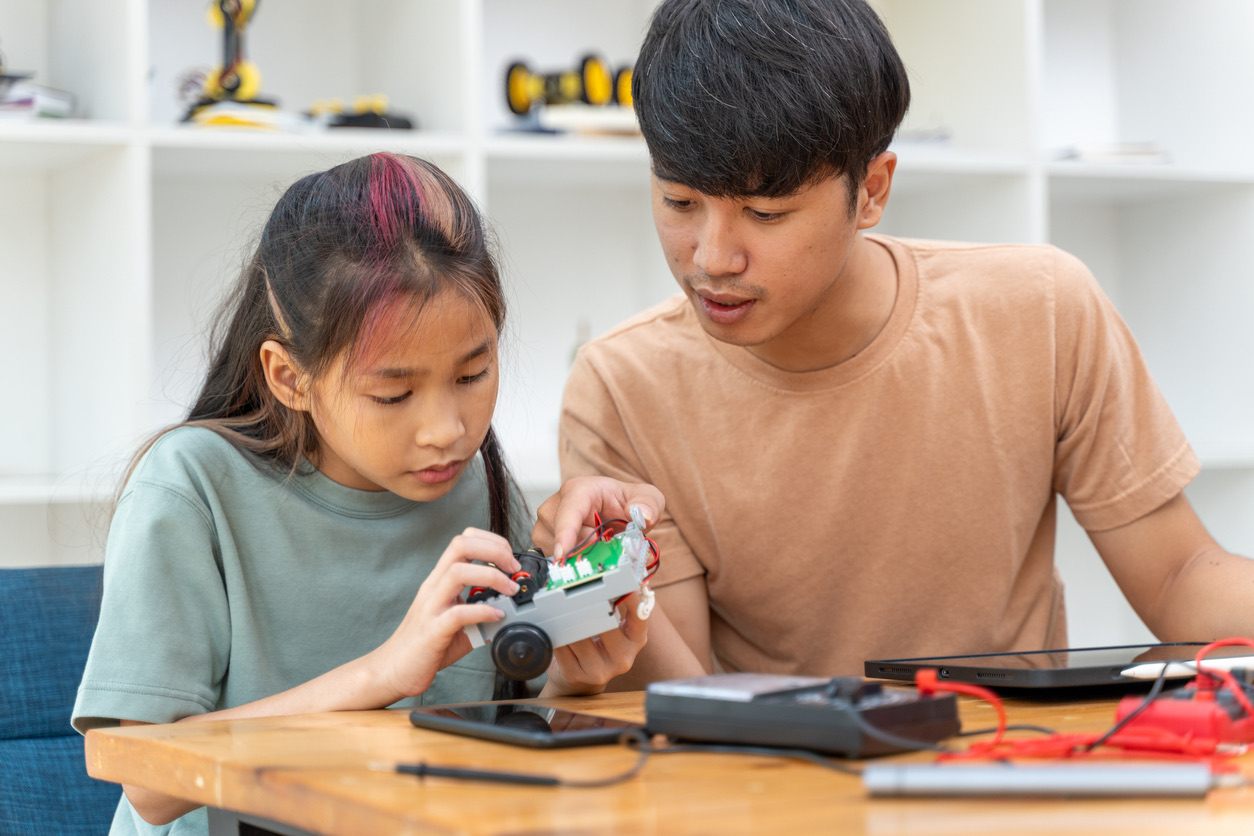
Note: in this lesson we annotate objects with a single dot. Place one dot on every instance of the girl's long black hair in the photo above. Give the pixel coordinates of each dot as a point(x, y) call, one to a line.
point(338, 247)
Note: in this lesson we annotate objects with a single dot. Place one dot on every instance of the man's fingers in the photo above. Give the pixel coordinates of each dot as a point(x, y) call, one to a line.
point(567, 658)
point(577, 502)
point(581, 498)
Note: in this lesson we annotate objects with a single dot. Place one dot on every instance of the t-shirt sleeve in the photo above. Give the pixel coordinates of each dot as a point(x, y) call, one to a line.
point(1120, 453)
point(161, 645)
point(594, 440)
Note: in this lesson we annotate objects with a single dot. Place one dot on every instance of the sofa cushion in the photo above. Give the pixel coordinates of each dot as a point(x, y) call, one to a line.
point(47, 618)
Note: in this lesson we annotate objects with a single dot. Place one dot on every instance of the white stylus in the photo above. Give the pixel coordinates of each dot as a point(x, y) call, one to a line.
point(1152, 670)
point(1068, 779)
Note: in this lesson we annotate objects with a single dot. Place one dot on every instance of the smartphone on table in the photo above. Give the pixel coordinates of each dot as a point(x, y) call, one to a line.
point(522, 724)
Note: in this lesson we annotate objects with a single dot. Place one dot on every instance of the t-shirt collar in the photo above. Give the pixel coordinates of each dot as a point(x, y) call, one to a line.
point(856, 367)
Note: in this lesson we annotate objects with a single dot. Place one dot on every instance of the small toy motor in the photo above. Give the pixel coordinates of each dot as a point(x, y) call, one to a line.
point(592, 83)
point(562, 602)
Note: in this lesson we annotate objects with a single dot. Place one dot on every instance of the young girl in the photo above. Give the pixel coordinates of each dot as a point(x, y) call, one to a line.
point(265, 554)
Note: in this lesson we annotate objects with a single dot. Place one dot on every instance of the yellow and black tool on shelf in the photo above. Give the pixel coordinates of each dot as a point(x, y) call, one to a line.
point(229, 96)
point(591, 83)
point(368, 111)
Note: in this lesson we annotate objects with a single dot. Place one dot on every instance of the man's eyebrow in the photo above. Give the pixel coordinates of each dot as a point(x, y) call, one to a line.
point(400, 373)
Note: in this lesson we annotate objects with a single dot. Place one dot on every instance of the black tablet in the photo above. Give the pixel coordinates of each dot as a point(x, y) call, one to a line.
point(1080, 667)
point(523, 724)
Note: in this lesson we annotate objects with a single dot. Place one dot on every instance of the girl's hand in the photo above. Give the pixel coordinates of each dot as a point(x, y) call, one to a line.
point(587, 666)
point(566, 517)
point(430, 636)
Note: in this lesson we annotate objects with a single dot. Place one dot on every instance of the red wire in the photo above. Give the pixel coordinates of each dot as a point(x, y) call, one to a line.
point(605, 530)
point(1132, 742)
point(1224, 676)
point(928, 682)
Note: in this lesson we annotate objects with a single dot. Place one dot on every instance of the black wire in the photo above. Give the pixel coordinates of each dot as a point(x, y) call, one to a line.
point(895, 740)
point(632, 739)
point(759, 751)
point(1019, 727)
point(627, 738)
point(592, 537)
point(646, 748)
point(1145, 703)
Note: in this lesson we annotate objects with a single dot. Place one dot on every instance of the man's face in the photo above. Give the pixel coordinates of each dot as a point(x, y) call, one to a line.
point(758, 271)
point(414, 413)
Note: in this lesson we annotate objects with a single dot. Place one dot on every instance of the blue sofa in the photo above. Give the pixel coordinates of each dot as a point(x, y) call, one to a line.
point(47, 617)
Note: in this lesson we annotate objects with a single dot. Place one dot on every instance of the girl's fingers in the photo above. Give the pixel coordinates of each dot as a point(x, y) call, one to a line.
point(476, 545)
point(462, 615)
point(461, 575)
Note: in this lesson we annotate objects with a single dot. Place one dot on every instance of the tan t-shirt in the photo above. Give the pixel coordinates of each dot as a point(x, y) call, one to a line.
point(900, 503)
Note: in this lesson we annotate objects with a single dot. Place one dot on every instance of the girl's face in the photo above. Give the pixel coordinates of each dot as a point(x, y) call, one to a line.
point(412, 412)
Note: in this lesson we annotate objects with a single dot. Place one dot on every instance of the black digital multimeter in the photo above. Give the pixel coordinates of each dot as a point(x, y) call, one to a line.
point(846, 716)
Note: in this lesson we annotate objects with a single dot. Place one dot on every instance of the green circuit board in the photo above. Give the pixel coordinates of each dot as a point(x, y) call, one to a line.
point(598, 559)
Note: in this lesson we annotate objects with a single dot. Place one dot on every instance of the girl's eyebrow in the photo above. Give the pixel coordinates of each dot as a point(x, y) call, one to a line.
point(393, 374)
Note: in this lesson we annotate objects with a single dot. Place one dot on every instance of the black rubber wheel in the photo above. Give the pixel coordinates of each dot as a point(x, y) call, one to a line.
point(522, 651)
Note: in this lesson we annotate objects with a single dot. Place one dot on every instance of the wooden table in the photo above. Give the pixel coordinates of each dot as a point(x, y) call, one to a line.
point(314, 772)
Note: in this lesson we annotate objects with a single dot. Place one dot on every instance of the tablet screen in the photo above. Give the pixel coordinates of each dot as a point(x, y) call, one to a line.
point(1085, 666)
point(1088, 657)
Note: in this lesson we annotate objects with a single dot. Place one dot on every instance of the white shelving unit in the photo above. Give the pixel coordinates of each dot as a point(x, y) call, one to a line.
point(119, 231)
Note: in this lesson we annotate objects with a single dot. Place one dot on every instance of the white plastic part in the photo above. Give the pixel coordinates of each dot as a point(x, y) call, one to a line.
point(635, 547)
point(644, 608)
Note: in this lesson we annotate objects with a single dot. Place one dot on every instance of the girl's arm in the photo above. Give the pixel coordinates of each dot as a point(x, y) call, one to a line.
point(429, 638)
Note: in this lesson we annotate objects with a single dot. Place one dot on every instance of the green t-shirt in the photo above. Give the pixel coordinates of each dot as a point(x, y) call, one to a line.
point(226, 582)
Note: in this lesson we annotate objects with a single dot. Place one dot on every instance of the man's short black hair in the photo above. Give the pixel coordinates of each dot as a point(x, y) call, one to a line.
point(762, 97)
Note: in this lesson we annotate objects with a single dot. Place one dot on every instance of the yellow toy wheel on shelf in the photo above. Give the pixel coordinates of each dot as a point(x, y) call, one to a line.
point(598, 84)
point(522, 88)
point(622, 87)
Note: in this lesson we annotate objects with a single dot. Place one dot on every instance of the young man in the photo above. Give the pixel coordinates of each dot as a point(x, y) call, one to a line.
point(861, 439)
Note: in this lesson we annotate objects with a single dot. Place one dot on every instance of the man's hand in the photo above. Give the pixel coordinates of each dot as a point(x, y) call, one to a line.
point(587, 666)
point(566, 517)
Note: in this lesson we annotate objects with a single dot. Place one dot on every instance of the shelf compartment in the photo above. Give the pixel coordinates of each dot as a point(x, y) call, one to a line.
point(316, 50)
point(995, 207)
point(576, 262)
point(1131, 183)
point(79, 46)
point(72, 312)
point(552, 35)
point(975, 89)
point(1172, 261)
point(1107, 78)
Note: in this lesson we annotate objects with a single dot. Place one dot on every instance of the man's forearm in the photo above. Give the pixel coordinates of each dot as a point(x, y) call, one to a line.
point(1211, 597)
point(665, 656)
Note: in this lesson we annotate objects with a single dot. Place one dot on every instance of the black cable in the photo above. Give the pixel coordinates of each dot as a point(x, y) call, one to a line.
point(632, 739)
point(424, 770)
point(1027, 727)
point(760, 751)
point(896, 740)
point(1145, 703)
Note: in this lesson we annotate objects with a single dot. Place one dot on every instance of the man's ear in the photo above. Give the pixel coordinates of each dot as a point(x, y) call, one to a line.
point(286, 380)
point(875, 188)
